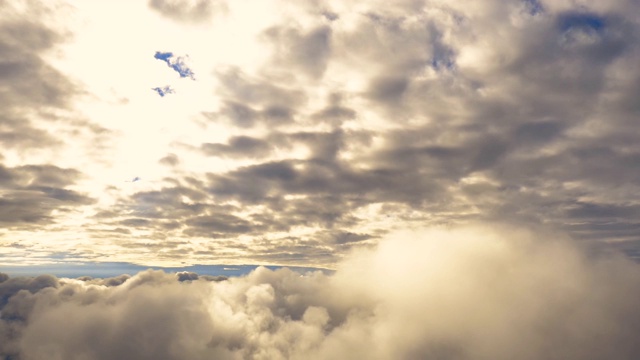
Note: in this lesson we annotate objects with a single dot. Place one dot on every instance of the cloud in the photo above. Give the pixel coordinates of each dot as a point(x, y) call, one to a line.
point(315, 127)
point(252, 100)
point(186, 276)
point(170, 160)
point(238, 146)
point(474, 293)
point(34, 192)
point(308, 51)
point(335, 113)
point(28, 82)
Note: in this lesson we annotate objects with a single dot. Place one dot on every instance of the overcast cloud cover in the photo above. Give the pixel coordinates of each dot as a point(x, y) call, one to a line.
point(282, 132)
point(295, 133)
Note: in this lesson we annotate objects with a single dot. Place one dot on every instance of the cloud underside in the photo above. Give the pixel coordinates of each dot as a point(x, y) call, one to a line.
point(352, 121)
point(529, 129)
point(467, 294)
point(28, 84)
point(34, 99)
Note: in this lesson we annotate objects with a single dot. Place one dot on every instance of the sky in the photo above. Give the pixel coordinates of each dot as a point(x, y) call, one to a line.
point(441, 163)
point(186, 132)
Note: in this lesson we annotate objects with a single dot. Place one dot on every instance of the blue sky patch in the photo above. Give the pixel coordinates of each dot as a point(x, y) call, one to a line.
point(110, 269)
point(177, 63)
point(164, 56)
point(534, 7)
point(585, 21)
point(162, 91)
point(443, 57)
point(439, 63)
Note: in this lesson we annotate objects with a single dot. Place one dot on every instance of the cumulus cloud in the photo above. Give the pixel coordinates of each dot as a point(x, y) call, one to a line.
point(34, 192)
point(471, 293)
point(238, 146)
point(308, 52)
point(33, 91)
point(170, 160)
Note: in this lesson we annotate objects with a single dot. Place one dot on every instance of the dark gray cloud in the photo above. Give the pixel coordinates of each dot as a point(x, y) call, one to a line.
point(217, 225)
point(249, 100)
point(327, 191)
point(464, 294)
point(32, 192)
point(394, 46)
point(308, 51)
point(335, 114)
point(36, 98)
point(348, 238)
point(326, 195)
point(10, 287)
point(238, 146)
point(530, 140)
point(170, 160)
point(27, 82)
point(253, 90)
point(323, 146)
point(111, 281)
point(240, 115)
point(521, 112)
point(388, 89)
point(186, 276)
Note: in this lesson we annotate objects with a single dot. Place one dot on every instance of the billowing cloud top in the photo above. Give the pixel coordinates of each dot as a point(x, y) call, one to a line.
point(313, 127)
point(465, 294)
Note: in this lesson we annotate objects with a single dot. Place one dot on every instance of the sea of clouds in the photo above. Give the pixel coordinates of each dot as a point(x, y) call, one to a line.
point(474, 293)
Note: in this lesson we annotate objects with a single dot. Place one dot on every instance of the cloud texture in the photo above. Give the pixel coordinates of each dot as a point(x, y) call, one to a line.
point(462, 294)
point(295, 131)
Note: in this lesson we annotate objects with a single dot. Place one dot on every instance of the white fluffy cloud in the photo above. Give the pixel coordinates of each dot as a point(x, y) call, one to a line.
point(469, 293)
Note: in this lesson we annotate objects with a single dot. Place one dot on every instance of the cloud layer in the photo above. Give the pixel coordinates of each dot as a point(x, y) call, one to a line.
point(311, 129)
point(462, 294)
